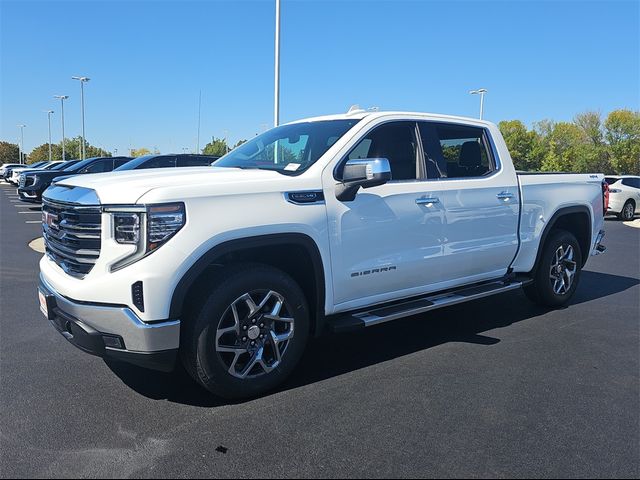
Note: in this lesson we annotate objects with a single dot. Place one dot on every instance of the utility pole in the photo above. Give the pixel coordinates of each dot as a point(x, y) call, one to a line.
point(82, 80)
point(480, 92)
point(49, 112)
point(276, 107)
point(62, 98)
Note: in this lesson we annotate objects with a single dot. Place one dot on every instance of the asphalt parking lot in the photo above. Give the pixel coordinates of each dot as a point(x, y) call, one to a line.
point(495, 388)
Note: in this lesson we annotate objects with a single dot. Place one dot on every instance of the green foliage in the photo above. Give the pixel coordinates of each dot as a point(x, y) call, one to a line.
point(521, 144)
point(41, 153)
point(73, 149)
point(216, 147)
point(239, 142)
point(139, 152)
point(622, 131)
point(585, 145)
point(9, 153)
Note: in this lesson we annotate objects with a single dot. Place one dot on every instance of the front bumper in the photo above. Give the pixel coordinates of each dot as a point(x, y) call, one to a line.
point(29, 195)
point(112, 331)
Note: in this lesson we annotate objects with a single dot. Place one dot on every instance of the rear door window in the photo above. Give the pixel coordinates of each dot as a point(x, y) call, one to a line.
point(455, 151)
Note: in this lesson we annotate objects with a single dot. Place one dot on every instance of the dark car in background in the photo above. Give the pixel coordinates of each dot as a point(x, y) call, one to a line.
point(169, 161)
point(33, 184)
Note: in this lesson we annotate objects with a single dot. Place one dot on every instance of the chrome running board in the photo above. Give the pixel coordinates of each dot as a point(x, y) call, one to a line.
point(387, 313)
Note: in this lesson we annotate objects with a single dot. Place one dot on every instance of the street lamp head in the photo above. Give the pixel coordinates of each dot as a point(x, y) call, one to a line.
point(479, 91)
point(61, 97)
point(48, 111)
point(20, 126)
point(82, 79)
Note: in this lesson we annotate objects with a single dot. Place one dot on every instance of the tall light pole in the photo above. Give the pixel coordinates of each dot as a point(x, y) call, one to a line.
point(49, 112)
point(481, 92)
point(276, 107)
point(82, 81)
point(62, 98)
point(21, 127)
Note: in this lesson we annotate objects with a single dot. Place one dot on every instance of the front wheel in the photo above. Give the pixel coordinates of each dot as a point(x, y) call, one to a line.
point(558, 272)
point(249, 333)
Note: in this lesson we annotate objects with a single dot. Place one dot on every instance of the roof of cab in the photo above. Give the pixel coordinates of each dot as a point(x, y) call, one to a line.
point(360, 114)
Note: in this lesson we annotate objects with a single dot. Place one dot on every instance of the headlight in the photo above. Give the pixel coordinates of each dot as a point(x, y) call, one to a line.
point(148, 228)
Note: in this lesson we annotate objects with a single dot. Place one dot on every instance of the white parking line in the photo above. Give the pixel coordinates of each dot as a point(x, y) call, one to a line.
point(35, 213)
point(33, 221)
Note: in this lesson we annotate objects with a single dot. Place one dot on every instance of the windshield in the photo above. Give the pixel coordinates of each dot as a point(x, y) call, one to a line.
point(38, 165)
point(289, 148)
point(57, 166)
point(78, 164)
point(135, 163)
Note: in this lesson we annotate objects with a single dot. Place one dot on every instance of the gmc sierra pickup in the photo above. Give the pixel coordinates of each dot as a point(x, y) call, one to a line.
point(324, 224)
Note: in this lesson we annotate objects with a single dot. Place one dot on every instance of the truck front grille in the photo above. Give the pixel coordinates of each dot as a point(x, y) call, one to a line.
point(72, 236)
point(23, 180)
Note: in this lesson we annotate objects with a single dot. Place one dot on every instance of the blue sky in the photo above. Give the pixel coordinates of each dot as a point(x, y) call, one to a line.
point(149, 59)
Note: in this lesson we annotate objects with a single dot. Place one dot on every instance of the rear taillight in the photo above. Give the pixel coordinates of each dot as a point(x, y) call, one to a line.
point(605, 196)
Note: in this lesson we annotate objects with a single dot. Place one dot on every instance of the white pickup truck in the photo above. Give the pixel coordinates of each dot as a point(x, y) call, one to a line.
point(324, 224)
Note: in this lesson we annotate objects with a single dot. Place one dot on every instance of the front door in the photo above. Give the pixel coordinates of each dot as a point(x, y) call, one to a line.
point(388, 241)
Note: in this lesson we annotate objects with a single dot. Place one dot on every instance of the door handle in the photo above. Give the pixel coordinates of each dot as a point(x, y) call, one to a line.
point(505, 196)
point(427, 200)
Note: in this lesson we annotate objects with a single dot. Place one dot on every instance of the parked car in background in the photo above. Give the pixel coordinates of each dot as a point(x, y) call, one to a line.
point(9, 172)
point(169, 161)
point(624, 196)
point(32, 184)
point(331, 223)
point(5, 166)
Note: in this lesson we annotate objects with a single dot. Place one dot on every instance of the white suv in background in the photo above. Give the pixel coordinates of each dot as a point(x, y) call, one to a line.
point(624, 196)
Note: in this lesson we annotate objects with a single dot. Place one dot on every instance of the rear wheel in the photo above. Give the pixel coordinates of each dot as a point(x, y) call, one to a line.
point(558, 272)
point(249, 333)
point(628, 211)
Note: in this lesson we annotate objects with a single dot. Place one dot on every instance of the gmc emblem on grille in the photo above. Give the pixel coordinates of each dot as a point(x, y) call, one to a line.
point(50, 220)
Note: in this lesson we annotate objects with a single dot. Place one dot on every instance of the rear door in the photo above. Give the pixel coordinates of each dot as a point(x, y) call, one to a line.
point(479, 198)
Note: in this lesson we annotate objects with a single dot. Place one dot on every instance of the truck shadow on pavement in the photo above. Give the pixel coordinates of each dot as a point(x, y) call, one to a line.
point(334, 355)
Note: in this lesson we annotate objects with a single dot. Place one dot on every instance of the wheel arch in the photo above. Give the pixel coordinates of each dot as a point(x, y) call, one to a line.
point(575, 219)
point(297, 254)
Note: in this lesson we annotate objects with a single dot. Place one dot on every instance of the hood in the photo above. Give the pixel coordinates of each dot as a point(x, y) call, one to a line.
point(174, 184)
point(51, 173)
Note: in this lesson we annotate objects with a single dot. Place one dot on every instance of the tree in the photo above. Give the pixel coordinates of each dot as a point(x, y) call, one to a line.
point(591, 125)
point(41, 153)
point(9, 153)
point(564, 152)
point(622, 132)
point(217, 147)
point(73, 149)
point(240, 142)
point(140, 152)
point(520, 142)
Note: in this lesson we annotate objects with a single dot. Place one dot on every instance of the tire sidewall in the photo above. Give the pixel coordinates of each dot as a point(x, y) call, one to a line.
point(211, 370)
point(543, 284)
point(624, 215)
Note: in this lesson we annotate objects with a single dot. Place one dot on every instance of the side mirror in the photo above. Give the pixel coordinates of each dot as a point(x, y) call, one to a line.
point(365, 173)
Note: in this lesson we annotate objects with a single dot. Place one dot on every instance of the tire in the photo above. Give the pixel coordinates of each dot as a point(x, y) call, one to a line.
point(211, 346)
point(549, 287)
point(628, 211)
